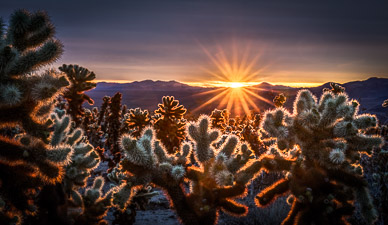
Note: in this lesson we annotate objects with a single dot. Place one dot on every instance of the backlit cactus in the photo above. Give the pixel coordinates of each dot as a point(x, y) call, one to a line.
point(213, 185)
point(30, 162)
point(319, 146)
point(170, 124)
point(137, 120)
point(335, 88)
point(80, 81)
point(218, 118)
point(84, 158)
point(93, 203)
point(279, 100)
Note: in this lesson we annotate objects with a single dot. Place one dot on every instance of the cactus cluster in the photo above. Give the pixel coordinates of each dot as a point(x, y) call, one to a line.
point(213, 184)
point(319, 148)
point(318, 152)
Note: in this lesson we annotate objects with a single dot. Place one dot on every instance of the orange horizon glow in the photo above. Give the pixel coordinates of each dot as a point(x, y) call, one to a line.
point(211, 84)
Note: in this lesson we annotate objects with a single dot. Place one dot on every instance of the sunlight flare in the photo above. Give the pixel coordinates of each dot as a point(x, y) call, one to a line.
point(236, 75)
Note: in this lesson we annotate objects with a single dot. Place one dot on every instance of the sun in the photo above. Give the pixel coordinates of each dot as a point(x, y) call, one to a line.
point(236, 85)
point(235, 75)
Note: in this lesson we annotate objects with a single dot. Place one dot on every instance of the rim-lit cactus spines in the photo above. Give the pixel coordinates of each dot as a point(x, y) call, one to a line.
point(330, 136)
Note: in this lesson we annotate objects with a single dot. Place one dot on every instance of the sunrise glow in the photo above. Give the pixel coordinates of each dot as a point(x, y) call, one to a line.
point(236, 85)
point(236, 74)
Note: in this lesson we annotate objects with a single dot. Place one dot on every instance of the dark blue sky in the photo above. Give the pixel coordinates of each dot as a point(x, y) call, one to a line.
point(297, 41)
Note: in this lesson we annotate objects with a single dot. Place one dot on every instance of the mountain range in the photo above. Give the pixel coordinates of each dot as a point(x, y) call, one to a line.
point(147, 94)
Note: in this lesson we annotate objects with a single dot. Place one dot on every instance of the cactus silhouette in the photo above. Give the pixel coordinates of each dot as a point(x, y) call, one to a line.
point(26, 100)
point(80, 81)
point(113, 123)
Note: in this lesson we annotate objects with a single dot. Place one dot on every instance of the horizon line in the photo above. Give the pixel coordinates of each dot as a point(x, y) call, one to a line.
point(219, 84)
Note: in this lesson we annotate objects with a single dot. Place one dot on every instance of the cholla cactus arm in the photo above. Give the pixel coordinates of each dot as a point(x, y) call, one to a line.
point(269, 194)
point(203, 137)
point(31, 30)
point(329, 137)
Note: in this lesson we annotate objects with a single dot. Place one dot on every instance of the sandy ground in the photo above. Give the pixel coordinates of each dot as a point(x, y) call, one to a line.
point(155, 217)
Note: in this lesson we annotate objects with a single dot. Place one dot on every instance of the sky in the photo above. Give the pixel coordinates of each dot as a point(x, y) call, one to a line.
point(285, 41)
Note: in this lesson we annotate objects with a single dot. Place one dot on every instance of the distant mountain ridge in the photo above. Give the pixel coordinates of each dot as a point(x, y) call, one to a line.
point(146, 85)
point(147, 94)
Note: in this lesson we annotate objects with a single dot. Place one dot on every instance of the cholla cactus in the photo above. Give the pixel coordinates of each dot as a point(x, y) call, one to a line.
point(84, 158)
point(54, 200)
point(335, 89)
point(93, 203)
point(103, 113)
point(319, 146)
point(80, 81)
point(126, 214)
point(250, 135)
point(257, 120)
point(29, 163)
point(137, 120)
point(170, 125)
point(214, 184)
point(279, 100)
point(113, 123)
point(218, 118)
point(91, 128)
